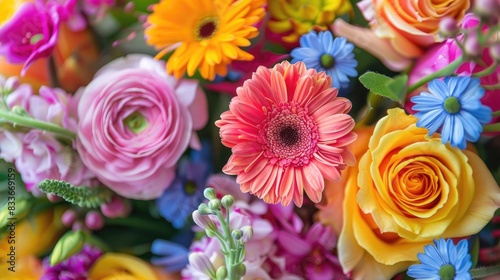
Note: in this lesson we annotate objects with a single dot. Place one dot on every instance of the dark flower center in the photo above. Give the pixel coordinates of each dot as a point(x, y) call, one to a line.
point(206, 28)
point(327, 61)
point(452, 105)
point(289, 135)
point(190, 187)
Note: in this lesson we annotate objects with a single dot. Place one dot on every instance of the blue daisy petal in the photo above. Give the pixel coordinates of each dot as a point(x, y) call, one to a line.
point(339, 49)
point(442, 252)
point(456, 127)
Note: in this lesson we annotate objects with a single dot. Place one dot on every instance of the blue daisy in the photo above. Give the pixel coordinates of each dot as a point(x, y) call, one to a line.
point(453, 106)
point(185, 193)
point(323, 53)
point(443, 260)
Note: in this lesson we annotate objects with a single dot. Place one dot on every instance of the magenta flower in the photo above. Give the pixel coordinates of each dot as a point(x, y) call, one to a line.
point(30, 34)
point(444, 53)
point(136, 122)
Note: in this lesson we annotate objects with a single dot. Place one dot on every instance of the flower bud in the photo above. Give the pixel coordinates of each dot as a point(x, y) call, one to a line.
point(209, 193)
point(68, 218)
point(486, 8)
point(115, 208)
point(204, 210)
point(448, 27)
point(203, 221)
point(200, 262)
point(221, 273)
point(69, 244)
point(241, 270)
point(247, 233)
point(227, 201)
point(495, 52)
point(94, 220)
point(237, 234)
point(472, 47)
point(214, 204)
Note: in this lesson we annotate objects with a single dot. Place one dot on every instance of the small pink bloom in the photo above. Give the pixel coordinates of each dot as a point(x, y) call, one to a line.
point(135, 123)
point(30, 34)
point(287, 130)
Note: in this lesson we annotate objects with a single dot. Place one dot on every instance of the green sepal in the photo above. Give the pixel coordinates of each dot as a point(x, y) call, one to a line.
point(474, 251)
point(81, 196)
point(69, 244)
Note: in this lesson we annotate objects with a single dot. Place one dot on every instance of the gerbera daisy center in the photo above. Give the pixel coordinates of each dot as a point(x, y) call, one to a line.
point(206, 28)
point(289, 135)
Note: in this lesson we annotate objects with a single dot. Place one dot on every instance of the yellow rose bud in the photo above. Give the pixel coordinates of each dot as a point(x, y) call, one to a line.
point(407, 189)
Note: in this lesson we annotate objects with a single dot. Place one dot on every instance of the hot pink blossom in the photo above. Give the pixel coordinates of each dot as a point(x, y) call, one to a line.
point(135, 123)
point(30, 34)
point(445, 53)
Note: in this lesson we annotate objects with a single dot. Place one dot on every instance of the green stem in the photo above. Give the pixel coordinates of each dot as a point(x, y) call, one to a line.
point(491, 87)
point(492, 68)
point(446, 71)
point(491, 127)
point(54, 80)
point(479, 273)
point(32, 123)
point(496, 113)
point(231, 269)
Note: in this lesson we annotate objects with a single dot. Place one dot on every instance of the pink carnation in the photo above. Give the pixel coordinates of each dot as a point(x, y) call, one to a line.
point(444, 53)
point(135, 123)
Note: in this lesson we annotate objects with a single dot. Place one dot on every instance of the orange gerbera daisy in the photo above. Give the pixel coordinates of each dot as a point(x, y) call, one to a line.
point(206, 34)
point(288, 132)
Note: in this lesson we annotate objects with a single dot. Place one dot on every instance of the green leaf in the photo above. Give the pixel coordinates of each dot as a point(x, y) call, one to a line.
point(81, 196)
point(397, 87)
point(474, 251)
point(69, 244)
point(394, 89)
point(376, 83)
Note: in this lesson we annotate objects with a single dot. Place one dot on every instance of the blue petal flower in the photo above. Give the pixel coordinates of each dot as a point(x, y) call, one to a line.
point(441, 253)
point(185, 193)
point(174, 256)
point(313, 46)
point(456, 127)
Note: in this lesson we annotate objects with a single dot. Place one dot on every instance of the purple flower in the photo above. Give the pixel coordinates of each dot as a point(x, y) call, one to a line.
point(30, 34)
point(68, 12)
point(74, 268)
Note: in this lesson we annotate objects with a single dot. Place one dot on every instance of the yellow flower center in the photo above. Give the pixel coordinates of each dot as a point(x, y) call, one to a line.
point(206, 28)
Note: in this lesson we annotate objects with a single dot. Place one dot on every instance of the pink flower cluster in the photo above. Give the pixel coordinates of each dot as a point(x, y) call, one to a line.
point(38, 155)
point(281, 247)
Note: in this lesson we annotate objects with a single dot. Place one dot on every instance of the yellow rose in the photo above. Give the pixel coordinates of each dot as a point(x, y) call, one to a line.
point(34, 235)
point(114, 266)
point(410, 189)
point(410, 25)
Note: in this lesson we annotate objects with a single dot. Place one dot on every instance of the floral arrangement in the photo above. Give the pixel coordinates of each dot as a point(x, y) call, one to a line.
point(249, 139)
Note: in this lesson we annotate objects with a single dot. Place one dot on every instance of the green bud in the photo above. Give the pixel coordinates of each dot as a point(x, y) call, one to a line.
point(209, 193)
point(237, 234)
point(227, 201)
point(214, 204)
point(204, 210)
point(241, 270)
point(18, 110)
point(247, 233)
point(69, 244)
point(22, 209)
point(221, 273)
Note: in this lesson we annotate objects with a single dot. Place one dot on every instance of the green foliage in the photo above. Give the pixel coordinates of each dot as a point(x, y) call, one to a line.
point(81, 196)
point(69, 244)
point(392, 88)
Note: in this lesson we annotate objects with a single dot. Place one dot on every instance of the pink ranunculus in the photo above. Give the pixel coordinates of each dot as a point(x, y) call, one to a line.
point(135, 122)
point(30, 34)
point(445, 53)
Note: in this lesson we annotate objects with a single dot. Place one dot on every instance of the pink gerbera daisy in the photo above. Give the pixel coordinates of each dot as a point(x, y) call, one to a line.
point(287, 130)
